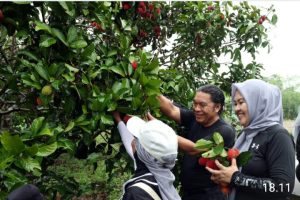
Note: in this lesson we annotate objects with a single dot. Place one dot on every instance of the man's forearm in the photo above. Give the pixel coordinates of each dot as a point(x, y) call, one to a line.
point(165, 104)
point(187, 146)
point(168, 108)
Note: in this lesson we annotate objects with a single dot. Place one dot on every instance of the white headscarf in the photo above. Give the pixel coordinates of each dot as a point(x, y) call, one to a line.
point(162, 172)
point(264, 104)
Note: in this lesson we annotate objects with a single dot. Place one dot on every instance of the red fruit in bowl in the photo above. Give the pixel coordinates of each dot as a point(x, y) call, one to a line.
point(202, 161)
point(134, 65)
point(211, 164)
point(233, 153)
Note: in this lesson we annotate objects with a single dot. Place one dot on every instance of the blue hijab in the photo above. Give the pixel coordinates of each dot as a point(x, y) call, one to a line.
point(264, 104)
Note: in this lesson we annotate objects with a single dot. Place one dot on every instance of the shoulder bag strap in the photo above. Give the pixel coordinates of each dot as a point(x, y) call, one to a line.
point(147, 189)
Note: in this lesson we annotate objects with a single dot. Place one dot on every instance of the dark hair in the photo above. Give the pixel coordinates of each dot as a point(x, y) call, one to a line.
point(217, 95)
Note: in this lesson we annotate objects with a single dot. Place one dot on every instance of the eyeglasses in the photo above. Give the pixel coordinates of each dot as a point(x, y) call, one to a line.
point(201, 105)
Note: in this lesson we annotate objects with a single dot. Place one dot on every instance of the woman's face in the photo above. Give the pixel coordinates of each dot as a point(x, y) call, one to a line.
point(241, 109)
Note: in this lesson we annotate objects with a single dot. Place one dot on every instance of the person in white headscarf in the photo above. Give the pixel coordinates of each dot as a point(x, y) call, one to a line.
point(270, 173)
point(153, 147)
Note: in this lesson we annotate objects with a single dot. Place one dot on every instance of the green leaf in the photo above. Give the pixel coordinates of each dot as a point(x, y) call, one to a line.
point(218, 149)
point(109, 62)
point(243, 158)
point(107, 119)
point(57, 83)
point(29, 164)
point(143, 59)
point(66, 144)
point(42, 26)
point(46, 150)
point(124, 23)
point(237, 54)
point(209, 154)
point(48, 41)
point(153, 84)
point(32, 150)
point(124, 42)
point(274, 19)
point(78, 44)
point(118, 70)
point(112, 106)
point(57, 33)
point(249, 27)
point(37, 125)
point(39, 67)
point(68, 7)
point(32, 84)
point(223, 153)
point(88, 51)
point(203, 145)
point(69, 77)
point(107, 3)
point(72, 34)
point(70, 126)
point(45, 131)
point(218, 139)
point(71, 69)
point(5, 163)
point(85, 79)
point(12, 144)
point(224, 161)
point(116, 87)
point(3, 31)
point(152, 66)
point(28, 54)
point(264, 44)
point(112, 53)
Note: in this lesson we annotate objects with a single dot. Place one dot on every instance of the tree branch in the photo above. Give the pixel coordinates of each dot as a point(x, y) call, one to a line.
point(6, 112)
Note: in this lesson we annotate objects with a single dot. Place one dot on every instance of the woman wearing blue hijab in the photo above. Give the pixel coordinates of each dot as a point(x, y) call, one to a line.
point(270, 173)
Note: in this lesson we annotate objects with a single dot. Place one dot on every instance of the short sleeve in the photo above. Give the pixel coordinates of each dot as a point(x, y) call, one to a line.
point(228, 133)
point(186, 117)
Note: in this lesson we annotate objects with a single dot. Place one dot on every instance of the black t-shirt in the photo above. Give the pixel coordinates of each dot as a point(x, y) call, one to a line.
point(196, 178)
point(298, 156)
point(136, 193)
point(141, 175)
point(270, 173)
point(298, 147)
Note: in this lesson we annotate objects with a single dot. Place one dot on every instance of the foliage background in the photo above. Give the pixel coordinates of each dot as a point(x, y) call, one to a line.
point(65, 66)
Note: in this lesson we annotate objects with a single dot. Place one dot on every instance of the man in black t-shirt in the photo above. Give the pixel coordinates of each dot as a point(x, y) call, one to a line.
point(201, 122)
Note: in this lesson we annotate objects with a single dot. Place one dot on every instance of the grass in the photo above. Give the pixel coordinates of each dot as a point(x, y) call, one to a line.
point(94, 185)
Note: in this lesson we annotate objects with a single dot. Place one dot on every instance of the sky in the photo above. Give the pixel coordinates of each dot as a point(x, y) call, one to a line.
point(284, 57)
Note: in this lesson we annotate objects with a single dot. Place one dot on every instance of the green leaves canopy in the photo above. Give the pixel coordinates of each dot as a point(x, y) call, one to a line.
point(85, 51)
